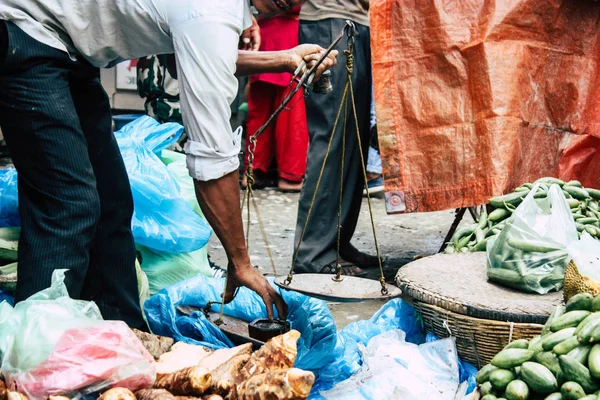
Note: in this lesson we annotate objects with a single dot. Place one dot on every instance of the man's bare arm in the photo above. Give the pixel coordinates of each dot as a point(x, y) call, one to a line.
point(256, 62)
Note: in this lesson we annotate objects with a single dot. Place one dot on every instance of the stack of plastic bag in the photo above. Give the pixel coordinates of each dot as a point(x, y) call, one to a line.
point(164, 270)
point(162, 220)
point(54, 345)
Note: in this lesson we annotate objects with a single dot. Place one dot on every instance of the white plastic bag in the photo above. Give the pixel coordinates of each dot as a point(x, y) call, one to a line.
point(586, 256)
point(530, 254)
point(395, 369)
point(54, 345)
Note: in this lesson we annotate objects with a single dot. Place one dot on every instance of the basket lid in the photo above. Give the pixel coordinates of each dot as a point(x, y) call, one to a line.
point(458, 283)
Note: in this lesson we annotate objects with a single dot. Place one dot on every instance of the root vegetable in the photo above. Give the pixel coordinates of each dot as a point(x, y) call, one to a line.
point(212, 397)
point(16, 396)
point(278, 353)
point(291, 384)
point(117, 394)
point(154, 394)
point(188, 381)
point(225, 375)
point(58, 398)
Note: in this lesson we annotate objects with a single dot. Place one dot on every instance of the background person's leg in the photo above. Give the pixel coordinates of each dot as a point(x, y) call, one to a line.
point(111, 281)
point(58, 201)
point(320, 241)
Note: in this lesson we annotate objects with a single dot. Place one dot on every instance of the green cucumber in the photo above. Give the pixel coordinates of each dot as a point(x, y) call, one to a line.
point(594, 361)
point(460, 234)
point(574, 183)
point(577, 372)
point(512, 199)
point(554, 396)
point(588, 221)
point(589, 397)
point(499, 214)
point(532, 246)
point(566, 346)
point(500, 378)
point(573, 203)
point(581, 301)
point(569, 319)
point(572, 391)
point(507, 277)
point(539, 378)
point(486, 388)
point(548, 180)
point(518, 344)
point(595, 193)
point(489, 397)
point(576, 192)
point(482, 245)
point(535, 344)
point(484, 374)
point(549, 360)
point(596, 304)
point(592, 230)
point(510, 358)
point(483, 219)
point(549, 341)
point(556, 313)
point(517, 390)
point(586, 329)
point(581, 353)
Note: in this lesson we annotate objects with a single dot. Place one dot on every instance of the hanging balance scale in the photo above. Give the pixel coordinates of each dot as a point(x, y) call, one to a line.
point(330, 287)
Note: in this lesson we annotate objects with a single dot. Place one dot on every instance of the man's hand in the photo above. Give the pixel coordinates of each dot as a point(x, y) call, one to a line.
point(311, 53)
point(253, 280)
point(250, 39)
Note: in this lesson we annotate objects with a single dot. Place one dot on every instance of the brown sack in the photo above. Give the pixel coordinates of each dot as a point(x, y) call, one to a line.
point(475, 97)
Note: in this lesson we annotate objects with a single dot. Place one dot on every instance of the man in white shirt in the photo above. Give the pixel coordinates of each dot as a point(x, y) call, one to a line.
point(74, 194)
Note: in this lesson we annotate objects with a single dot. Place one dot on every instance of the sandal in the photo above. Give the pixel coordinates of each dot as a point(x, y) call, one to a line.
point(360, 259)
point(348, 269)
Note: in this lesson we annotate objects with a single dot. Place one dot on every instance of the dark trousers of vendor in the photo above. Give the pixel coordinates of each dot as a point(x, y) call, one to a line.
point(319, 244)
point(74, 195)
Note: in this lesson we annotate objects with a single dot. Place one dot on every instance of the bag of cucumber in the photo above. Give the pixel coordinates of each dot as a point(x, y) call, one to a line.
point(583, 204)
point(563, 363)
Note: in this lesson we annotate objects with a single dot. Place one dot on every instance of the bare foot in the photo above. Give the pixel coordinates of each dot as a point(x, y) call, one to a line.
point(288, 186)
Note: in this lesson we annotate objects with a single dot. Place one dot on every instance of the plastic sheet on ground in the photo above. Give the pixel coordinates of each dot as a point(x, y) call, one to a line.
point(475, 97)
point(9, 199)
point(333, 356)
point(54, 345)
point(395, 369)
point(162, 220)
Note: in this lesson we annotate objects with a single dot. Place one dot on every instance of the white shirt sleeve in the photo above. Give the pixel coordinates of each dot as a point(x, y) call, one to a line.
point(206, 53)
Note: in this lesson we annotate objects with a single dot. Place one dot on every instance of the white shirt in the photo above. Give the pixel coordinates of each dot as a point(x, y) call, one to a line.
point(203, 34)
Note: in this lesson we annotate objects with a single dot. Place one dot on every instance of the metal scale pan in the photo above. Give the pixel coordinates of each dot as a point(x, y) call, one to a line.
point(350, 289)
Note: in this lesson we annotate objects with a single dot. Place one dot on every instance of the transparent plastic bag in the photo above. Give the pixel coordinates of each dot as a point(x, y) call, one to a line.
point(395, 369)
point(54, 345)
point(162, 220)
point(530, 254)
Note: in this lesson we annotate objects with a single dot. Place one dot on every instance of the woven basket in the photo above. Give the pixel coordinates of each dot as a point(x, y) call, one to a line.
point(477, 340)
point(454, 298)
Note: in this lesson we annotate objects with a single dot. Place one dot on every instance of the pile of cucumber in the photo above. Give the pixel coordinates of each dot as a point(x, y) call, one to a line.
point(563, 363)
point(583, 202)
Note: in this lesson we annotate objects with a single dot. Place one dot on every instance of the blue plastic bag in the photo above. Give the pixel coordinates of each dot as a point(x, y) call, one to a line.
point(6, 296)
point(162, 220)
point(9, 199)
point(317, 347)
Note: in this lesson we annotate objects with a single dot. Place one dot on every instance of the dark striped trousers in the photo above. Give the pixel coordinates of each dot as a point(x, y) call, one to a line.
point(74, 195)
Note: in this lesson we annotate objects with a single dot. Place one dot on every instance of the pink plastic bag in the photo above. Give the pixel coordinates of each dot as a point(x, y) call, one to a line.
point(54, 345)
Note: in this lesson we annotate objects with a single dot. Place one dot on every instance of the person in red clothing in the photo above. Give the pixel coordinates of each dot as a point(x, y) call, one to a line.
point(286, 140)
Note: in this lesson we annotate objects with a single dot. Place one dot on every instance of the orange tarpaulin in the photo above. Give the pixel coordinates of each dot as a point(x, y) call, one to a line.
point(475, 97)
